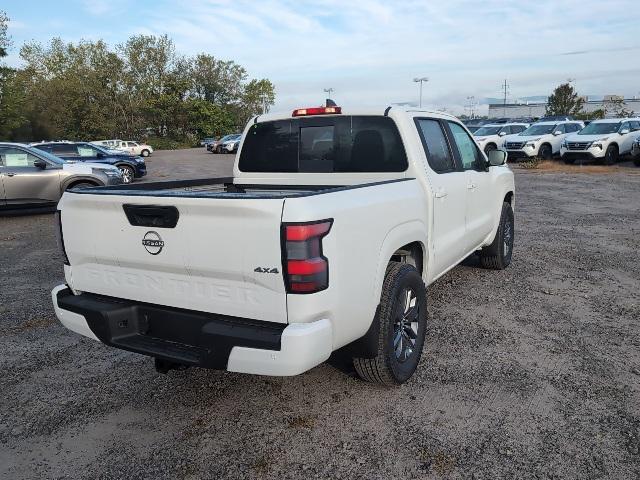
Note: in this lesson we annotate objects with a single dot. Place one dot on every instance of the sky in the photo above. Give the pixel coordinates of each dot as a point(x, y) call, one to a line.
point(369, 51)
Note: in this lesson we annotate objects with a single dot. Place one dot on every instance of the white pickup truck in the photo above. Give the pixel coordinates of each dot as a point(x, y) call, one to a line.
point(325, 239)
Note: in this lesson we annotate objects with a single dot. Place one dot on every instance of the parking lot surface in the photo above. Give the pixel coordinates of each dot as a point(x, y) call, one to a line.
point(531, 372)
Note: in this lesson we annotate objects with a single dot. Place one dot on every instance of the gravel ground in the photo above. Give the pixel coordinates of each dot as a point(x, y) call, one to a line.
point(532, 372)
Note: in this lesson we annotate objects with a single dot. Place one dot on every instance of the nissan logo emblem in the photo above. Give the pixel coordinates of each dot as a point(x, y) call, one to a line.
point(152, 242)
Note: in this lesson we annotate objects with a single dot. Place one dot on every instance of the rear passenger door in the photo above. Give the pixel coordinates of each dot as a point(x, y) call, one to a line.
point(447, 231)
point(479, 207)
point(626, 141)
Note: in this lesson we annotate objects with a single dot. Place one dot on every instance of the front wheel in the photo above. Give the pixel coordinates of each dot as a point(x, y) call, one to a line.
point(545, 152)
point(497, 256)
point(402, 319)
point(611, 155)
point(127, 173)
point(145, 153)
point(489, 148)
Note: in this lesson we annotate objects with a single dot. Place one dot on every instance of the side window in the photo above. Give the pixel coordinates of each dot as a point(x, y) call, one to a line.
point(435, 145)
point(86, 151)
point(507, 130)
point(560, 128)
point(14, 157)
point(623, 126)
point(469, 154)
point(65, 150)
point(131, 144)
point(635, 126)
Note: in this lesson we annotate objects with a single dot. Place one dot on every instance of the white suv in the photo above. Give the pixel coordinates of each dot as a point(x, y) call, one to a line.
point(542, 139)
point(601, 140)
point(131, 147)
point(491, 137)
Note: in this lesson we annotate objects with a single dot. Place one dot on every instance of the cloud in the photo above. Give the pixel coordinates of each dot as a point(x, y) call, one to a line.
point(370, 50)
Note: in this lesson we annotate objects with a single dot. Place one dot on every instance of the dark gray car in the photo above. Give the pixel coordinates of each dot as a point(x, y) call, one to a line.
point(31, 178)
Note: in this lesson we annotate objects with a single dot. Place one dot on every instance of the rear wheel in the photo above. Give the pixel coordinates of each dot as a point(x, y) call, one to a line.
point(127, 173)
point(545, 152)
point(611, 155)
point(145, 153)
point(402, 326)
point(497, 256)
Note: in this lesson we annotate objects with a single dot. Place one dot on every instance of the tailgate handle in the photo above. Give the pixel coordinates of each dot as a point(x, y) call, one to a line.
point(158, 216)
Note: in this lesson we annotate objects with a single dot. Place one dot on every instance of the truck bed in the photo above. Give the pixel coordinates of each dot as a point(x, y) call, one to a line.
point(222, 187)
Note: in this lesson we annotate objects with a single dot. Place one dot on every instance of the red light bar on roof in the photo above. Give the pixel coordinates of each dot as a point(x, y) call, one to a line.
point(304, 112)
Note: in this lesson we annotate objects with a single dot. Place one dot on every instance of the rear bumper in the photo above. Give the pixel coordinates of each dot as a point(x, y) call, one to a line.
point(140, 170)
point(196, 338)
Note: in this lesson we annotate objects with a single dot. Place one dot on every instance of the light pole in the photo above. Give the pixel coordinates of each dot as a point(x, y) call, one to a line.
point(420, 80)
point(472, 105)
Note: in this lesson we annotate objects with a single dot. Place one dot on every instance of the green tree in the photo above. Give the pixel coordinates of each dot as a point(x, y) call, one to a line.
point(564, 101)
point(5, 40)
point(257, 98)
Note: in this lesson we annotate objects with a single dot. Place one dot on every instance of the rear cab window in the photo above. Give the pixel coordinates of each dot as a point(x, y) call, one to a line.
point(324, 144)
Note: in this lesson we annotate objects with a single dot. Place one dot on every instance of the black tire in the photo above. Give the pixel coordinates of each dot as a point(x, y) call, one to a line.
point(636, 161)
point(490, 147)
point(219, 149)
point(387, 367)
point(545, 152)
point(145, 153)
point(612, 155)
point(569, 160)
point(128, 174)
point(497, 256)
point(82, 185)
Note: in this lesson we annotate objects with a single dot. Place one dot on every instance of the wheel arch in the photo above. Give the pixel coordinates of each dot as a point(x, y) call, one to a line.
point(73, 181)
point(407, 242)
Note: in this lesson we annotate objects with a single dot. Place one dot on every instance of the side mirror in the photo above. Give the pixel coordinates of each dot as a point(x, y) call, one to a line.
point(41, 164)
point(557, 132)
point(497, 157)
point(624, 131)
point(502, 134)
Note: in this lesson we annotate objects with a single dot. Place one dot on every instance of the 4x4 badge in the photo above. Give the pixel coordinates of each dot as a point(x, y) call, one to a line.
point(152, 242)
point(266, 270)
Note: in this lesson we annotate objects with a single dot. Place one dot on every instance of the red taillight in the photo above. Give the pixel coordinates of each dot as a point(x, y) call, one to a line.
point(303, 112)
point(306, 270)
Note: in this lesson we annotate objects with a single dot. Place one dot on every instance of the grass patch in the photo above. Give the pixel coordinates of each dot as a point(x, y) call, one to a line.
point(301, 422)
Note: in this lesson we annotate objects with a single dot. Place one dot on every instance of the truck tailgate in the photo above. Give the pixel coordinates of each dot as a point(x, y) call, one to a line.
point(223, 255)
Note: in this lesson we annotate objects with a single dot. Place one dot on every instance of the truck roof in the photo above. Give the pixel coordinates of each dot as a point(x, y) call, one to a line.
point(373, 111)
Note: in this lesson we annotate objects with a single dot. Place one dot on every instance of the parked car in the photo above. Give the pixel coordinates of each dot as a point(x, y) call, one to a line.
point(216, 146)
point(231, 145)
point(205, 141)
point(542, 139)
point(129, 146)
point(314, 245)
point(131, 167)
point(31, 178)
point(602, 140)
point(555, 118)
point(490, 137)
point(635, 152)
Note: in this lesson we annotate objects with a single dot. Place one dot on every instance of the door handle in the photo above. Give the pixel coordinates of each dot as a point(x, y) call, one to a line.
point(441, 194)
point(471, 186)
point(10, 174)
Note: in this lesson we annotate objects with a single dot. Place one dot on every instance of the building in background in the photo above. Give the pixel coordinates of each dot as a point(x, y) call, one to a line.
point(538, 109)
